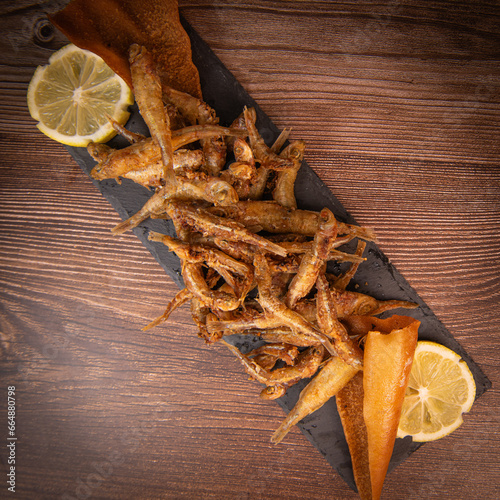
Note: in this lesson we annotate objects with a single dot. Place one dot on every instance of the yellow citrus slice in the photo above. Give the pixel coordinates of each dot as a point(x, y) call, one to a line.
point(73, 95)
point(441, 388)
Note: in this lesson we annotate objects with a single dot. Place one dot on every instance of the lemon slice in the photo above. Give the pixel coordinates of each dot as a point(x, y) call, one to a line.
point(441, 388)
point(73, 96)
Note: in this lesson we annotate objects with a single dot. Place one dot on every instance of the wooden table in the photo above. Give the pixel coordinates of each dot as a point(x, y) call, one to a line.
point(399, 103)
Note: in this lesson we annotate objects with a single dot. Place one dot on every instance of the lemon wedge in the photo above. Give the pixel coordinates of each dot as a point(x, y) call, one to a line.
point(73, 96)
point(441, 388)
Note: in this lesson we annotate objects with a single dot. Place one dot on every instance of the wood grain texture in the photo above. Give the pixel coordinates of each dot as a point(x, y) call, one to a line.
point(399, 104)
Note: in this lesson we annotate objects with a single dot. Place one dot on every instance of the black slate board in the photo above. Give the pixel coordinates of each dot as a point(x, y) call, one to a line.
point(377, 276)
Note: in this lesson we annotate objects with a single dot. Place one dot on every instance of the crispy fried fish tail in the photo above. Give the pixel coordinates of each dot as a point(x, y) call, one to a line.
point(180, 298)
point(343, 280)
point(153, 205)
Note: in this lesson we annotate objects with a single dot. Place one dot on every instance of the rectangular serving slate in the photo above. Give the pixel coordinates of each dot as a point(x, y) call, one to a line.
point(377, 276)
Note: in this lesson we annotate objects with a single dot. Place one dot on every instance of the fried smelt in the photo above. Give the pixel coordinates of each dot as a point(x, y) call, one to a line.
point(243, 152)
point(211, 225)
point(272, 305)
point(148, 94)
point(150, 174)
point(193, 109)
point(246, 322)
point(349, 303)
point(113, 163)
point(277, 351)
point(270, 216)
point(269, 327)
point(387, 363)
point(240, 176)
point(346, 348)
point(273, 392)
point(211, 189)
point(263, 153)
point(199, 253)
point(237, 274)
point(286, 335)
point(306, 246)
point(202, 187)
point(283, 191)
point(260, 180)
point(181, 297)
point(197, 285)
point(332, 377)
point(199, 112)
point(200, 313)
point(307, 364)
point(350, 408)
point(279, 334)
point(313, 260)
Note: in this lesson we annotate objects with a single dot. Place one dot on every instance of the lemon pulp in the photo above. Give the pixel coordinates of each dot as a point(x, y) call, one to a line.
point(440, 388)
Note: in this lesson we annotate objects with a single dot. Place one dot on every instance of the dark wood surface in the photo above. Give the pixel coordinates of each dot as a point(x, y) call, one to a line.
point(399, 103)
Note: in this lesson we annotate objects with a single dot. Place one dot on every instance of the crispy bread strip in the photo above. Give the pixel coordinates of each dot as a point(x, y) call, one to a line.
point(109, 27)
point(387, 364)
point(350, 408)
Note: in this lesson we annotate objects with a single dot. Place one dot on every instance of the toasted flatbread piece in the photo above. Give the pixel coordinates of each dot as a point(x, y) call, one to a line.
point(109, 27)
